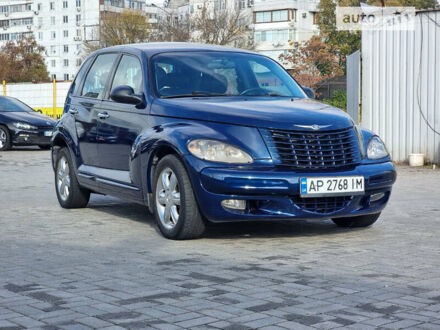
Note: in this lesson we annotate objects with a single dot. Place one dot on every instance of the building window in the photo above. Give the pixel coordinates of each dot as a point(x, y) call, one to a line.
point(66, 33)
point(53, 63)
point(78, 3)
point(263, 17)
point(315, 17)
point(279, 15)
point(241, 4)
point(274, 36)
point(40, 35)
point(65, 4)
point(53, 50)
point(65, 19)
point(78, 32)
point(52, 20)
point(53, 35)
point(78, 18)
point(39, 6)
point(66, 62)
point(66, 48)
point(272, 16)
point(54, 76)
point(78, 62)
point(40, 21)
point(52, 6)
point(66, 76)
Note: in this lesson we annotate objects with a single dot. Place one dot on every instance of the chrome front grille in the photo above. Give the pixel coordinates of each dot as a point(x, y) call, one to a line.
point(313, 150)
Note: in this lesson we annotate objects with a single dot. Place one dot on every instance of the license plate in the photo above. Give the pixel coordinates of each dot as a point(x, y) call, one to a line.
point(47, 133)
point(334, 186)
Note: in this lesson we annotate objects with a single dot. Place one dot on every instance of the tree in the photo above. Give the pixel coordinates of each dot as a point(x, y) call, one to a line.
point(169, 28)
point(418, 4)
point(220, 27)
point(421, 4)
point(22, 61)
point(343, 43)
point(128, 27)
point(312, 62)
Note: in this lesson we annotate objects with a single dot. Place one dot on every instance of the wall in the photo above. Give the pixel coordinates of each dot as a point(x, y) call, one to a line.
point(401, 87)
point(40, 96)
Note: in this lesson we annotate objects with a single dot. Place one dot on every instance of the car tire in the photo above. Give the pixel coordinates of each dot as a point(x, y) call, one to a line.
point(360, 221)
point(44, 147)
point(175, 207)
point(5, 138)
point(69, 193)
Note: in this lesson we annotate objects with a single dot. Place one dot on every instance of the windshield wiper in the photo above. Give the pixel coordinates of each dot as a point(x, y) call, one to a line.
point(194, 94)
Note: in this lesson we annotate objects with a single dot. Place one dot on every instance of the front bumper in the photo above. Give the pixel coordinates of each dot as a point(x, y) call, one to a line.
point(273, 193)
point(30, 137)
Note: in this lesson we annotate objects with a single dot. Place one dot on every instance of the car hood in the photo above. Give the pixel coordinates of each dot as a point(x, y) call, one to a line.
point(265, 112)
point(31, 118)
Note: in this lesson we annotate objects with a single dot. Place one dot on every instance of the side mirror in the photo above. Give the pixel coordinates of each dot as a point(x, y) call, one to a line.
point(125, 94)
point(309, 92)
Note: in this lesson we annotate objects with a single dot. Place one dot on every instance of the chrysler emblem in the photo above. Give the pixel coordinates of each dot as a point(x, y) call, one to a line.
point(313, 127)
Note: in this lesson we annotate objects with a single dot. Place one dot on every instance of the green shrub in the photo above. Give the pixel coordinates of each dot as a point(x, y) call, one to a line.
point(339, 99)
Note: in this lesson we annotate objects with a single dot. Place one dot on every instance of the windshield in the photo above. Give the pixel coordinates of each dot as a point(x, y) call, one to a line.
point(13, 105)
point(189, 74)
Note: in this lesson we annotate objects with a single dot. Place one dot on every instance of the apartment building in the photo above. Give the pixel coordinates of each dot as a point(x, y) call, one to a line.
point(61, 26)
point(277, 22)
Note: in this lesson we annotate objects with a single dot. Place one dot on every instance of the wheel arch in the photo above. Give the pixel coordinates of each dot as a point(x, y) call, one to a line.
point(59, 141)
point(159, 150)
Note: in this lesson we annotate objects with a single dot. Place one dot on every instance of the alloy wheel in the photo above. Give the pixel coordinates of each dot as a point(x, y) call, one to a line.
point(168, 198)
point(63, 179)
point(3, 138)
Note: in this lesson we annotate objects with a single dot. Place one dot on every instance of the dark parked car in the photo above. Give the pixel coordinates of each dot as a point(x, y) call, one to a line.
point(21, 125)
point(206, 133)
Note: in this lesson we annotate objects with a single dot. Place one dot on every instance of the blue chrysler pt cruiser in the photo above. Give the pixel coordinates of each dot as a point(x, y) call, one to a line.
point(206, 133)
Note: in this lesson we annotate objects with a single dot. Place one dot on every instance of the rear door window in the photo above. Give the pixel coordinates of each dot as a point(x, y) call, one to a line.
point(79, 77)
point(97, 78)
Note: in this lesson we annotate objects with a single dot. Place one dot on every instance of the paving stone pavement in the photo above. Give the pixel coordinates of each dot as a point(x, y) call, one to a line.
point(106, 266)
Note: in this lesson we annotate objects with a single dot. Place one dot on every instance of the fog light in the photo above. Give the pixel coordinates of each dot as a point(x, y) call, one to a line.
point(234, 204)
point(376, 197)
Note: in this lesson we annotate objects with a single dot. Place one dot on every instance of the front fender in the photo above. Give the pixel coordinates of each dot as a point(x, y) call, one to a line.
point(173, 134)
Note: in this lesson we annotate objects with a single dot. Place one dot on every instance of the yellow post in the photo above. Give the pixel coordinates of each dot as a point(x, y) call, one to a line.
point(54, 113)
point(4, 88)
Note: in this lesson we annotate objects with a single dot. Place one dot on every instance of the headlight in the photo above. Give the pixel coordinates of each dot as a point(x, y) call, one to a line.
point(376, 148)
point(24, 126)
point(216, 151)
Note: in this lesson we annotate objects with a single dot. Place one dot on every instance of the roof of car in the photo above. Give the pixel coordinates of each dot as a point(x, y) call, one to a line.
point(152, 48)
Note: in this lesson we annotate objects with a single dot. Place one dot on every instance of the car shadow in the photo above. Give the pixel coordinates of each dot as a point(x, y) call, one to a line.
point(231, 230)
point(26, 148)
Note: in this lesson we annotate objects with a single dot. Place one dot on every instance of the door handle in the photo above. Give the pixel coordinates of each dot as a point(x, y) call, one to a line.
point(103, 115)
point(73, 111)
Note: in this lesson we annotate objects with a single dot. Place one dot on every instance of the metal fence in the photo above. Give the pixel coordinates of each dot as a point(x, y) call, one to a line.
point(47, 98)
point(401, 87)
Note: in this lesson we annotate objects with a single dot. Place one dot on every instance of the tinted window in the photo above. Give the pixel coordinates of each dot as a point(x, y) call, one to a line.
point(129, 73)
point(98, 76)
point(221, 73)
point(13, 105)
point(268, 80)
point(80, 76)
